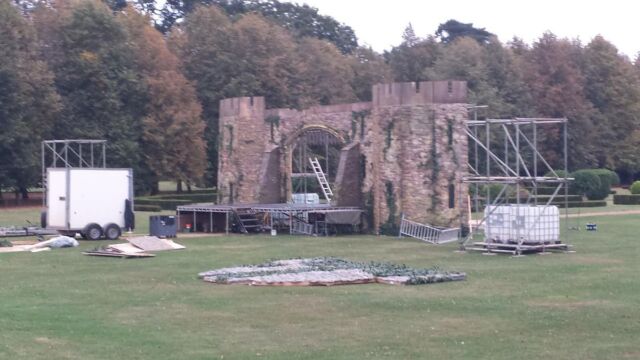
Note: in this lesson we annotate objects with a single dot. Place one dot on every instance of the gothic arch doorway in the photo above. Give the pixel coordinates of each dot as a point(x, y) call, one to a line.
point(311, 141)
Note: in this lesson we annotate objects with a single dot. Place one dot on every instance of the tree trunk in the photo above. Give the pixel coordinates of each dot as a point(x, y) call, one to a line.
point(179, 186)
point(155, 188)
point(24, 192)
point(188, 187)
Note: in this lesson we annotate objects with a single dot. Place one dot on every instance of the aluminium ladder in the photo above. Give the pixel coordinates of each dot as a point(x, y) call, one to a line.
point(324, 184)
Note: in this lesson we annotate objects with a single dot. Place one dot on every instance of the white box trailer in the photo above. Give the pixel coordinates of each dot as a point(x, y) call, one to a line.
point(95, 202)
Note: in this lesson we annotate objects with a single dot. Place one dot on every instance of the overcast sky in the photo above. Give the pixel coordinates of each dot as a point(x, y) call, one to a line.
point(379, 23)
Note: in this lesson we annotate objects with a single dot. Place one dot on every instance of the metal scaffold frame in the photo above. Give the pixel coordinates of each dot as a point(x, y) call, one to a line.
point(515, 163)
point(71, 154)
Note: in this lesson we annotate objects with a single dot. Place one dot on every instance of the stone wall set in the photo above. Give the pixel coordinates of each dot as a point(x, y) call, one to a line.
point(403, 152)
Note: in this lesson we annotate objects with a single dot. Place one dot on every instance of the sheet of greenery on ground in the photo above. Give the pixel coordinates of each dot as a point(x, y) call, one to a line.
point(61, 304)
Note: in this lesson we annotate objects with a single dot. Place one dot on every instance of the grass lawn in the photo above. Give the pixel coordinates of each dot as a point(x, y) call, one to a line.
point(63, 305)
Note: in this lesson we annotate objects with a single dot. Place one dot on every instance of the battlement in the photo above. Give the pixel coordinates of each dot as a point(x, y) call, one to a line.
point(242, 106)
point(417, 93)
point(320, 109)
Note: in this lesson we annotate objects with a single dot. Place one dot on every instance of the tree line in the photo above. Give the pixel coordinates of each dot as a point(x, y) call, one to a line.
point(149, 80)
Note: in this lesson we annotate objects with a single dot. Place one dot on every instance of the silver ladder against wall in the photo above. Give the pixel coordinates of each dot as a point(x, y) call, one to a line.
point(324, 184)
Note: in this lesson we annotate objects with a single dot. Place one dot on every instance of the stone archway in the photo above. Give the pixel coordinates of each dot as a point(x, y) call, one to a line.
point(310, 141)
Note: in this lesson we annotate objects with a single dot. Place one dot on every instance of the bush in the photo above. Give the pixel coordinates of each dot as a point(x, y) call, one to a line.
point(635, 187)
point(611, 176)
point(494, 190)
point(595, 184)
point(152, 208)
point(626, 199)
point(581, 204)
point(171, 201)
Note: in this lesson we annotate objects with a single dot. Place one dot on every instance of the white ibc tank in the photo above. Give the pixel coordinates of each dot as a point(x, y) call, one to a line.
point(529, 223)
point(305, 198)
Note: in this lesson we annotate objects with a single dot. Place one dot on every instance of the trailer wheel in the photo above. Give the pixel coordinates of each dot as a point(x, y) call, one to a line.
point(112, 231)
point(92, 231)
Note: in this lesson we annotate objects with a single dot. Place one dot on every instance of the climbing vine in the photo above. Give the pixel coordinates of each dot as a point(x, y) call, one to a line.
point(230, 143)
point(274, 122)
point(388, 138)
point(390, 227)
point(358, 116)
point(435, 164)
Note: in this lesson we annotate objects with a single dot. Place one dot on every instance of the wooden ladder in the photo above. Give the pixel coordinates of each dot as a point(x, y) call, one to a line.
point(324, 184)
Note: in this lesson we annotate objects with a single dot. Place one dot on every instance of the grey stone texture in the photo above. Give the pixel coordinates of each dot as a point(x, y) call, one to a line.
point(411, 138)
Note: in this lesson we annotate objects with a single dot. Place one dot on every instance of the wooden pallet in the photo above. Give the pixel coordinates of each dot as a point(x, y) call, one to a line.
point(117, 254)
point(515, 249)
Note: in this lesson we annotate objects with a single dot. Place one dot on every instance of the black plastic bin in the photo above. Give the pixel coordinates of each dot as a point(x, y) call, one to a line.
point(163, 226)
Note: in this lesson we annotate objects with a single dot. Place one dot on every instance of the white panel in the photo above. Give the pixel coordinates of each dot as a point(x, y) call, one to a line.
point(56, 198)
point(305, 198)
point(98, 196)
point(531, 224)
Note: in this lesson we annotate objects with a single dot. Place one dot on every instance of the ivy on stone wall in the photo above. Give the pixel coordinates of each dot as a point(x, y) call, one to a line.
point(388, 138)
point(358, 116)
point(390, 227)
point(230, 143)
point(274, 122)
point(435, 163)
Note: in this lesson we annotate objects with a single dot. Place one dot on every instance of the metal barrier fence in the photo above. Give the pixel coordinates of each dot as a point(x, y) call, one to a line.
point(427, 233)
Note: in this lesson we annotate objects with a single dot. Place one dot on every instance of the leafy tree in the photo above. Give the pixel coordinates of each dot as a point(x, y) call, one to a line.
point(102, 92)
point(302, 20)
point(614, 90)
point(451, 30)
point(28, 102)
point(557, 86)
point(369, 68)
point(255, 56)
point(327, 74)
point(413, 59)
point(172, 129)
point(465, 59)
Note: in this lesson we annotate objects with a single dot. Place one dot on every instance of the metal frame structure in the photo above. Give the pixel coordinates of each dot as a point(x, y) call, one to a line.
point(288, 212)
point(301, 154)
point(517, 162)
point(71, 154)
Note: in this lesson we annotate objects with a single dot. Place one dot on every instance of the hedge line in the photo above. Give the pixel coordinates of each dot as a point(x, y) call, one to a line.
point(171, 201)
point(626, 199)
point(152, 208)
point(194, 197)
point(164, 204)
point(560, 204)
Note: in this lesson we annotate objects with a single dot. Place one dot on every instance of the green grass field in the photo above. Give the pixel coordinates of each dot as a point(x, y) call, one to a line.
point(586, 305)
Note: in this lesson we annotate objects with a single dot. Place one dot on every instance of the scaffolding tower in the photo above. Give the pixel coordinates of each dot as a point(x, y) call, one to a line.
point(71, 154)
point(506, 154)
